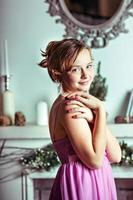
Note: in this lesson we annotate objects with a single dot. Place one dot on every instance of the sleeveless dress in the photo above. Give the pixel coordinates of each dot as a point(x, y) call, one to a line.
point(75, 181)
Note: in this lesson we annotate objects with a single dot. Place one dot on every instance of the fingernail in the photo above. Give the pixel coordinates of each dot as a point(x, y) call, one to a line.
point(77, 97)
point(68, 111)
point(74, 116)
point(71, 98)
point(65, 102)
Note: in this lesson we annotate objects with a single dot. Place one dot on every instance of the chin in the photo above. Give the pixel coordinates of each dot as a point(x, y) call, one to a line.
point(85, 88)
point(81, 88)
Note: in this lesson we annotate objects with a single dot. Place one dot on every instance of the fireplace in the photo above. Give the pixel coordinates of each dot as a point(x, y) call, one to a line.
point(124, 189)
point(38, 184)
point(42, 188)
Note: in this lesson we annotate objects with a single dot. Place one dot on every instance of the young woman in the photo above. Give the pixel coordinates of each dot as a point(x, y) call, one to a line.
point(78, 127)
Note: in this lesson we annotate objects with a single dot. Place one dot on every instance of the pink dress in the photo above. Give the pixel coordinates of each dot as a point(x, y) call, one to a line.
point(75, 181)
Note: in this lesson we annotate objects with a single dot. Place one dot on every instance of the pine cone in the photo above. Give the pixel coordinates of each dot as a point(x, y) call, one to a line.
point(19, 119)
point(5, 120)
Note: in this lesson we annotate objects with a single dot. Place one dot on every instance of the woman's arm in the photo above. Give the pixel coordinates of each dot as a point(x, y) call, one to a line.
point(112, 145)
point(113, 148)
point(89, 146)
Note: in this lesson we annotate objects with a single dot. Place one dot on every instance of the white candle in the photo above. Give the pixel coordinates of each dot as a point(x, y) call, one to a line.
point(8, 104)
point(42, 113)
point(6, 66)
point(2, 70)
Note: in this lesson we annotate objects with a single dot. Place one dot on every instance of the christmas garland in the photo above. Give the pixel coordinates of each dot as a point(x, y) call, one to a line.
point(38, 159)
point(127, 154)
point(46, 158)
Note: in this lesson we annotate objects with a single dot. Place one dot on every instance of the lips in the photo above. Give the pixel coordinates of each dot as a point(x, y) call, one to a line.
point(84, 82)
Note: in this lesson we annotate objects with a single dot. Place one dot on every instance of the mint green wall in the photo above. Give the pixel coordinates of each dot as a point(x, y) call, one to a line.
point(28, 28)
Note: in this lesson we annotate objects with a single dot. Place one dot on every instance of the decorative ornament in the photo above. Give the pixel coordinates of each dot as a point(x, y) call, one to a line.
point(46, 158)
point(127, 155)
point(120, 119)
point(39, 159)
point(19, 119)
point(99, 87)
point(5, 120)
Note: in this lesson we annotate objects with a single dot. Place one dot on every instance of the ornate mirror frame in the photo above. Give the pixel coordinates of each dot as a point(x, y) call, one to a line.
point(96, 36)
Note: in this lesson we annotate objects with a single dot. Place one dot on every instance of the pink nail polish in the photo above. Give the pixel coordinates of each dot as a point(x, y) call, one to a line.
point(74, 116)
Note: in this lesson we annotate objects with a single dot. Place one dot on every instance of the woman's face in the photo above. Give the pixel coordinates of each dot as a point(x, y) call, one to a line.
point(80, 76)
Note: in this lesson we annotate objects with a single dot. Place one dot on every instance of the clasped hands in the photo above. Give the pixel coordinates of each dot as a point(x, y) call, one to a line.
point(83, 105)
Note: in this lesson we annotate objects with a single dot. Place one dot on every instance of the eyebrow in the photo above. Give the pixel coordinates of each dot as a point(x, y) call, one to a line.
point(80, 65)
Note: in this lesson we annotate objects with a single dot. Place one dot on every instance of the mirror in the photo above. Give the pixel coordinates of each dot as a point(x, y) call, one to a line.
point(92, 12)
point(93, 22)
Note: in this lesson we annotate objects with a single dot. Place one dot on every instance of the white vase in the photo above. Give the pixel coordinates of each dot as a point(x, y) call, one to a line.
point(42, 113)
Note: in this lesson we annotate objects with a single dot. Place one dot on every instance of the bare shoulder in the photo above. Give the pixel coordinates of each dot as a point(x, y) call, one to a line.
point(55, 119)
point(78, 130)
point(57, 107)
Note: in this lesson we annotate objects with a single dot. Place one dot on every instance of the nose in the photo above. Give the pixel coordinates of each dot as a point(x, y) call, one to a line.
point(84, 73)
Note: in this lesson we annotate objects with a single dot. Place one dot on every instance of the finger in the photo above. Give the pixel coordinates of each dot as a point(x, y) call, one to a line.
point(76, 96)
point(73, 110)
point(88, 96)
point(74, 102)
point(80, 115)
point(73, 95)
point(83, 115)
point(82, 99)
point(90, 102)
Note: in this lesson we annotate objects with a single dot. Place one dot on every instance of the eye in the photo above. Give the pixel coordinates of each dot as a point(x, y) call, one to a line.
point(75, 69)
point(89, 66)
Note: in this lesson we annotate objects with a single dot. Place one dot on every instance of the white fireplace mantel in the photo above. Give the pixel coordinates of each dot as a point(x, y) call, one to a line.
point(32, 131)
